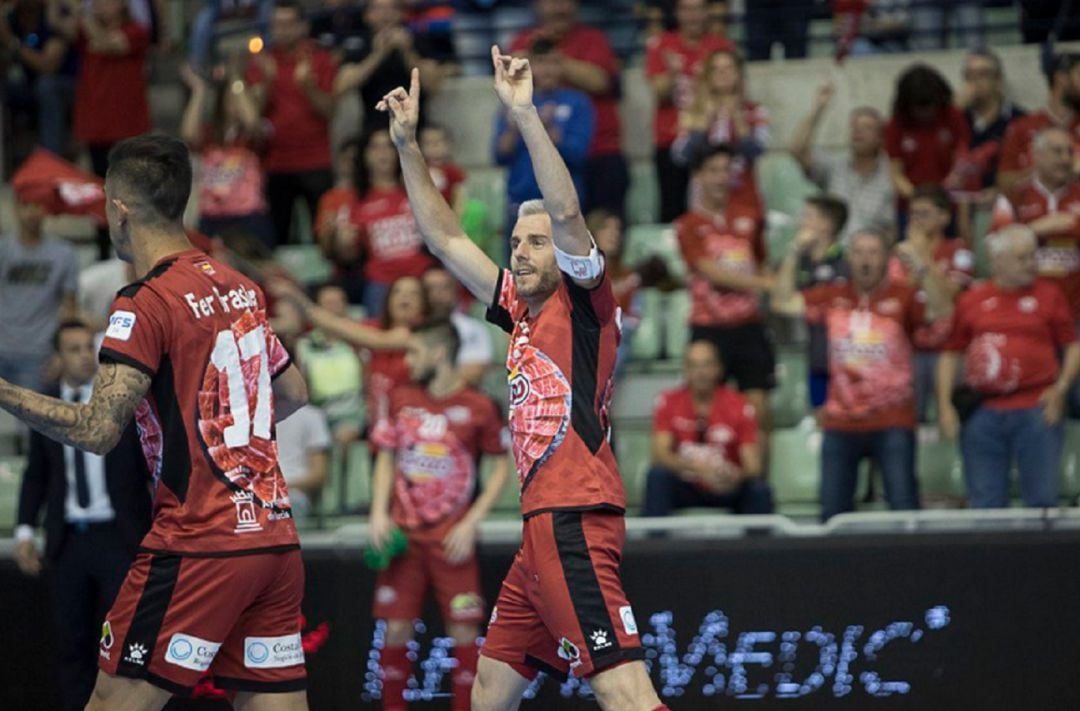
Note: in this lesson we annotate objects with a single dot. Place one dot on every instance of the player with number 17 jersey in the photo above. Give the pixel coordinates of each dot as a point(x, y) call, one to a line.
point(218, 582)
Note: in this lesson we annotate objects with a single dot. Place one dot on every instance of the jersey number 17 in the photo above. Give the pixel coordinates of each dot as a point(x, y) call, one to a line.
point(228, 354)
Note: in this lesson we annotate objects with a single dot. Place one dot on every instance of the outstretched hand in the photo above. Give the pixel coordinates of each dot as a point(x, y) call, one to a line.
point(404, 108)
point(513, 79)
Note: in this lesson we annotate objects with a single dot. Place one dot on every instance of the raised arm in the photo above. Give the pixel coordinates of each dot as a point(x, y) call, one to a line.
point(344, 328)
point(437, 221)
point(93, 426)
point(513, 84)
point(801, 147)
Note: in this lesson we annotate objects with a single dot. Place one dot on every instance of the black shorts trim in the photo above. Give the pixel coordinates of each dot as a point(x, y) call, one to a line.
point(602, 508)
point(261, 687)
point(146, 622)
point(108, 354)
point(607, 661)
point(224, 554)
point(543, 666)
point(590, 608)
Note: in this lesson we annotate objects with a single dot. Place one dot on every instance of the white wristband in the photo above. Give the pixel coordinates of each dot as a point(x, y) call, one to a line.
point(24, 533)
point(577, 267)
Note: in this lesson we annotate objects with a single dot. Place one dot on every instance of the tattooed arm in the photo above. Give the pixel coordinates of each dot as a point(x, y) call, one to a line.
point(94, 426)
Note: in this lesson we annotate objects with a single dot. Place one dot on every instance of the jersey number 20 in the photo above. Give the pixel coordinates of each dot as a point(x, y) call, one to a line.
point(229, 352)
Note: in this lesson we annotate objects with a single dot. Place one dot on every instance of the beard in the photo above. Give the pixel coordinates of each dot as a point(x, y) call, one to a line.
point(546, 284)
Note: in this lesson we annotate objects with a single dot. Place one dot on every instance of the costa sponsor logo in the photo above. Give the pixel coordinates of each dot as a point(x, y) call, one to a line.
point(191, 652)
point(273, 652)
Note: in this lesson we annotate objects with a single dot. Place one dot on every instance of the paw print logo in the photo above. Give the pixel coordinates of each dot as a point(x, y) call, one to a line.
point(136, 653)
point(599, 639)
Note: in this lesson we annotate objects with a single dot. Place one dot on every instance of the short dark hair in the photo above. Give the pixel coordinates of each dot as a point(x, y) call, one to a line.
point(290, 5)
point(64, 327)
point(935, 194)
point(154, 173)
point(443, 333)
point(708, 152)
point(833, 208)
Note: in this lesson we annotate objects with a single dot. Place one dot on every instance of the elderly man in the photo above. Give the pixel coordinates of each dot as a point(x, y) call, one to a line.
point(1010, 330)
point(862, 177)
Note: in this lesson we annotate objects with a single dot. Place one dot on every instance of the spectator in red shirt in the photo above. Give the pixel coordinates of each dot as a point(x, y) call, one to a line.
point(1011, 330)
point(110, 95)
point(1062, 109)
point(292, 84)
point(590, 65)
point(1049, 203)
point(673, 61)
point(720, 113)
point(705, 447)
point(931, 262)
point(926, 132)
point(723, 246)
point(332, 232)
point(447, 175)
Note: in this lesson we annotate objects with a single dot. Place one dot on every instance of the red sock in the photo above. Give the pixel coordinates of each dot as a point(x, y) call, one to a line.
point(396, 667)
point(661, 707)
point(464, 674)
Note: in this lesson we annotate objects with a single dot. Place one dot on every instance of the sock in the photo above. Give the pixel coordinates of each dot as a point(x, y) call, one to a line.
point(661, 707)
point(396, 667)
point(464, 674)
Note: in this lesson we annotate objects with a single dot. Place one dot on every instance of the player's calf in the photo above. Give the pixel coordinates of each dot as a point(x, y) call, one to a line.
point(625, 687)
point(498, 686)
point(114, 693)
point(467, 654)
point(395, 664)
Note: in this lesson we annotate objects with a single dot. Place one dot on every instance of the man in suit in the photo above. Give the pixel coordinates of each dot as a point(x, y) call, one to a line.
point(97, 509)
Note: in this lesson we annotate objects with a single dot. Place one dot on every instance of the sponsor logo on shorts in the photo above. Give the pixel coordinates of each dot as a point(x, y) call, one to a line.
point(466, 605)
point(599, 640)
point(273, 652)
point(120, 325)
point(106, 636)
point(385, 595)
point(136, 654)
point(568, 650)
point(628, 622)
point(191, 652)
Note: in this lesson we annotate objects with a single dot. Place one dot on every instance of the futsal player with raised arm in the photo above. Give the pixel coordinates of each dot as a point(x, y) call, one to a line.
point(561, 608)
point(189, 353)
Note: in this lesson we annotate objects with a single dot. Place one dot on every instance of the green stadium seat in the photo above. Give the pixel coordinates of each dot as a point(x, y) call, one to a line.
point(648, 337)
point(1070, 463)
point(790, 400)
point(795, 466)
point(633, 445)
point(643, 195)
point(488, 185)
point(939, 468)
point(646, 240)
point(782, 183)
point(358, 479)
point(676, 322)
point(304, 262)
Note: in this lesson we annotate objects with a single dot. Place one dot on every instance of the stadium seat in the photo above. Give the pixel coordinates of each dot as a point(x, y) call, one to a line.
point(782, 183)
point(645, 240)
point(632, 451)
point(358, 479)
point(790, 400)
point(304, 262)
point(488, 186)
point(795, 468)
point(1070, 463)
point(939, 468)
point(676, 320)
point(643, 196)
point(649, 335)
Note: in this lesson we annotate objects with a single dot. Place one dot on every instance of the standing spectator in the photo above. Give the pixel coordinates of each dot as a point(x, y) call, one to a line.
point(448, 177)
point(303, 440)
point(110, 95)
point(930, 261)
point(291, 84)
point(723, 246)
point(705, 446)
point(772, 22)
point(231, 184)
point(589, 65)
point(42, 88)
point(862, 178)
point(38, 285)
point(332, 370)
point(332, 232)
point(1011, 331)
point(720, 113)
point(673, 61)
point(926, 132)
point(932, 22)
point(97, 510)
point(475, 354)
point(869, 408)
point(568, 116)
point(1049, 203)
point(380, 57)
point(1062, 109)
point(816, 256)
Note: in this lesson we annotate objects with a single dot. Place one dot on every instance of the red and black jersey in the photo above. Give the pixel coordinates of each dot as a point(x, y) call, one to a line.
point(560, 365)
point(199, 330)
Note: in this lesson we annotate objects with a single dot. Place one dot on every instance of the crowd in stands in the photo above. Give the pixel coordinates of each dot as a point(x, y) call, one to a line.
point(901, 332)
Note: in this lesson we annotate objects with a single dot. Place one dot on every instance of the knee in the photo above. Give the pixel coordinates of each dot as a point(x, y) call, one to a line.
point(398, 633)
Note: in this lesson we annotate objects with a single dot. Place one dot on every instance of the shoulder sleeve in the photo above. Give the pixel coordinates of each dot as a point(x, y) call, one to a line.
point(138, 334)
point(746, 426)
point(503, 302)
point(690, 247)
point(654, 57)
point(662, 413)
point(495, 433)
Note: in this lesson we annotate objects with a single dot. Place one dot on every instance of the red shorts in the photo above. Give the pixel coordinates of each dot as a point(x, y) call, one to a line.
point(401, 588)
point(562, 607)
point(176, 618)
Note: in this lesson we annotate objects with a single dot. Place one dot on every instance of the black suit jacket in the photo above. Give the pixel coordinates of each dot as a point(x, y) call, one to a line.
point(127, 480)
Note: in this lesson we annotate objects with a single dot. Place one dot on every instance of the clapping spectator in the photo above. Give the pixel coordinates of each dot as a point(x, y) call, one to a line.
point(588, 65)
point(291, 84)
point(720, 113)
point(705, 445)
point(861, 178)
point(42, 90)
point(303, 440)
point(231, 183)
point(1011, 332)
point(673, 61)
point(568, 116)
point(475, 355)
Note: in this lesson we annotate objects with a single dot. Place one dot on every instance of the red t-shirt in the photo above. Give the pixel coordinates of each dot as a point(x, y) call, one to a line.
point(731, 423)
point(673, 47)
point(587, 44)
point(561, 364)
point(335, 206)
point(1016, 144)
point(230, 181)
point(928, 152)
point(959, 265)
point(1011, 340)
point(734, 241)
point(437, 444)
point(299, 137)
point(446, 179)
point(1058, 255)
point(199, 329)
point(871, 382)
point(385, 370)
point(110, 96)
point(389, 237)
